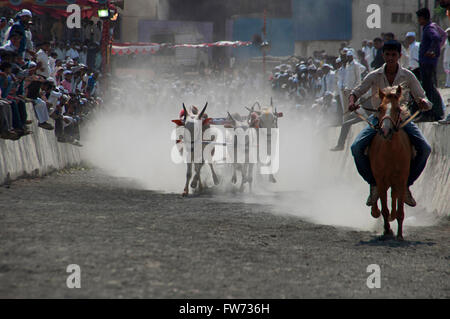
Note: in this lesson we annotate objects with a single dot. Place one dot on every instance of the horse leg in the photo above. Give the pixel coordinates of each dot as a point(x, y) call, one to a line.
point(188, 178)
point(394, 196)
point(375, 212)
point(214, 176)
point(400, 213)
point(382, 192)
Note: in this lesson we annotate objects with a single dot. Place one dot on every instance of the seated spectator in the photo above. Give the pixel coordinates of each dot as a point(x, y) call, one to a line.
point(40, 106)
point(67, 82)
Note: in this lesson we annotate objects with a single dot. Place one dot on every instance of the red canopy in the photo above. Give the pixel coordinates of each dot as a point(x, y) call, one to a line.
point(56, 8)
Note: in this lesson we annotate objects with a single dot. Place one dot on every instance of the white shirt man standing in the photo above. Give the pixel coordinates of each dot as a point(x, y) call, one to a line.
point(447, 59)
point(412, 52)
point(43, 67)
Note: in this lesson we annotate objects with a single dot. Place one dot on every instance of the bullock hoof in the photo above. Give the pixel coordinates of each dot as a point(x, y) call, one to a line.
point(216, 180)
point(400, 238)
point(375, 212)
point(194, 184)
point(234, 179)
point(184, 194)
point(272, 179)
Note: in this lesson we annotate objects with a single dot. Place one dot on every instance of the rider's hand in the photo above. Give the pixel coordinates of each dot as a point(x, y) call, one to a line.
point(425, 105)
point(351, 103)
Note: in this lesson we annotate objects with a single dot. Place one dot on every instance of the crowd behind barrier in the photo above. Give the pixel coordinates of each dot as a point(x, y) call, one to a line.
point(60, 77)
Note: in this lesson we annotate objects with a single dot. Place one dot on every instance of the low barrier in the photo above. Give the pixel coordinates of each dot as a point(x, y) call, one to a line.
point(36, 154)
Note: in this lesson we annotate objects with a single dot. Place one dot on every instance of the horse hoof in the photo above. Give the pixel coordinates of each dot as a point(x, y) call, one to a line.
point(375, 213)
point(392, 216)
point(194, 185)
point(387, 236)
point(400, 238)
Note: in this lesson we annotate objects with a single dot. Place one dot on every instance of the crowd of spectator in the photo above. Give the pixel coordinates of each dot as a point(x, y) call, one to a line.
point(325, 82)
point(59, 78)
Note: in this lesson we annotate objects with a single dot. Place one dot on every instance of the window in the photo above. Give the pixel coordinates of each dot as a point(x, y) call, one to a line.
point(402, 18)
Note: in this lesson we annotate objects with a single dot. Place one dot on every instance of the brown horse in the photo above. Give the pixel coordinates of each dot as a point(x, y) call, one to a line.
point(390, 156)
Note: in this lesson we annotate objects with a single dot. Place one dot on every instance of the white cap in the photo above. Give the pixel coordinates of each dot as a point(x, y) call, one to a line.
point(25, 12)
point(338, 60)
point(448, 29)
point(411, 34)
point(350, 53)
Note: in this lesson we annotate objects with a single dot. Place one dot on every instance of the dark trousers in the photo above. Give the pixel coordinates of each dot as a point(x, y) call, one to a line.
point(429, 83)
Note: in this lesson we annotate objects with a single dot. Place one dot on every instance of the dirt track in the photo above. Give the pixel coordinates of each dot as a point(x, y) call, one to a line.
point(135, 243)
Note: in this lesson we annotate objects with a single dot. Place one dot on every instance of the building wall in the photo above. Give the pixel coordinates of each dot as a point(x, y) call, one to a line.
point(136, 10)
point(360, 31)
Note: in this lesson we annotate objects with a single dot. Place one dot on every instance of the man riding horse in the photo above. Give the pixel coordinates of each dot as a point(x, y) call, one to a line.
point(390, 74)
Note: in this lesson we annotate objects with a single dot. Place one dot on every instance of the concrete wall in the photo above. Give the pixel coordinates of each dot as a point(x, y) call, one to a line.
point(432, 189)
point(36, 154)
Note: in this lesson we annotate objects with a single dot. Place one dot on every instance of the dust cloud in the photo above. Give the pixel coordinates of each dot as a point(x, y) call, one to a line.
point(131, 137)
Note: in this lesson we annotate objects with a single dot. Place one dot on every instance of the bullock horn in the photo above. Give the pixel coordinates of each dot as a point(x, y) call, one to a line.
point(185, 111)
point(231, 117)
point(249, 109)
point(203, 111)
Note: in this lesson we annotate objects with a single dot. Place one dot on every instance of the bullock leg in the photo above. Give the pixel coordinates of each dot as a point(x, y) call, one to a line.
point(250, 176)
point(242, 169)
point(382, 191)
point(394, 196)
point(272, 179)
point(200, 185)
point(196, 176)
point(214, 176)
point(233, 178)
point(188, 178)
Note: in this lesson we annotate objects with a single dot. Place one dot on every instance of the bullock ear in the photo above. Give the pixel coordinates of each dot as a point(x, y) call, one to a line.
point(398, 93)
point(381, 94)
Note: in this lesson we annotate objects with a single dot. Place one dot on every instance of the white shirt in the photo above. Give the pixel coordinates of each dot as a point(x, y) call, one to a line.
point(341, 74)
point(328, 83)
point(447, 56)
point(377, 80)
point(413, 55)
point(368, 54)
point(72, 53)
point(42, 57)
point(353, 74)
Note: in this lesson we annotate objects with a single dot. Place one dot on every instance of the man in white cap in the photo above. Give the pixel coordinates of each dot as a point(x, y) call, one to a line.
point(447, 59)
point(20, 27)
point(412, 52)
